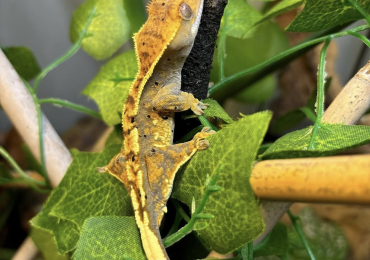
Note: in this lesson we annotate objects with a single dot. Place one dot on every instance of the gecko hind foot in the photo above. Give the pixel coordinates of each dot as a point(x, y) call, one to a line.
point(200, 142)
point(199, 107)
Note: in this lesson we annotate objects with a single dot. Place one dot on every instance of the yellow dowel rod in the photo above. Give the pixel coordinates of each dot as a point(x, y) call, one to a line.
point(337, 179)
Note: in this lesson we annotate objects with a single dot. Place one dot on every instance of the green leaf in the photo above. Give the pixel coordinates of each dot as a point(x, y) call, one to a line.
point(110, 238)
point(239, 19)
point(23, 61)
point(327, 241)
point(318, 15)
point(66, 233)
point(111, 85)
point(279, 8)
point(214, 111)
point(242, 54)
point(136, 14)
point(258, 92)
point(83, 193)
point(331, 139)
point(108, 31)
point(45, 243)
point(237, 218)
point(92, 193)
point(277, 243)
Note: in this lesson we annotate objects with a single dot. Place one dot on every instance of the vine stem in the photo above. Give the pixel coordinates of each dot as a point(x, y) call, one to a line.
point(71, 105)
point(320, 100)
point(250, 250)
point(361, 10)
point(197, 214)
point(280, 57)
point(361, 37)
point(72, 51)
point(298, 229)
point(221, 54)
point(18, 169)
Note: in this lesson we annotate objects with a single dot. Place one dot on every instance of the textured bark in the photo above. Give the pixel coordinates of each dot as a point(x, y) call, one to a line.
point(196, 72)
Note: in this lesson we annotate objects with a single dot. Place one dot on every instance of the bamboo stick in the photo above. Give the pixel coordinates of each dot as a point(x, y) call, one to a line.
point(337, 179)
point(20, 108)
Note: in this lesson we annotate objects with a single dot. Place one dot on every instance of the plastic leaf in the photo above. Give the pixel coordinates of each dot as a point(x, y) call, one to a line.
point(318, 15)
point(110, 238)
point(108, 31)
point(110, 86)
point(331, 139)
point(237, 217)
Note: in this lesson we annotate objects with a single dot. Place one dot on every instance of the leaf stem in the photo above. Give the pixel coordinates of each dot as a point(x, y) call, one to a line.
point(68, 104)
point(210, 187)
point(320, 99)
point(180, 210)
point(18, 169)
point(274, 62)
point(206, 123)
point(361, 10)
point(298, 229)
point(361, 37)
point(41, 132)
point(250, 250)
point(76, 46)
point(221, 54)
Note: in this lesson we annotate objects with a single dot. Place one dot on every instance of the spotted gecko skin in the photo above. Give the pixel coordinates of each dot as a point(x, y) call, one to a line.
point(149, 160)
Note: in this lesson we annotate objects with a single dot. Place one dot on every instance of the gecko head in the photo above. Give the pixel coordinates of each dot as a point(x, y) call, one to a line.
point(190, 12)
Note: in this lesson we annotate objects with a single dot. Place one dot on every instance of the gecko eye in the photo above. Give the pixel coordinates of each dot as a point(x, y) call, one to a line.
point(185, 11)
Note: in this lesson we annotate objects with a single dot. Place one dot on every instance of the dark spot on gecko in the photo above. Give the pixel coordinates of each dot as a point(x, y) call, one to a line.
point(133, 158)
point(164, 117)
point(169, 59)
point(163, 4)
point(130, 100)
point(145, 55)
point(132, 120)
point(144, 136)
point(153, 150)
point(162, 19)
point(175, 108)
point(148, 116)
point(154, 109)
point(143, 43)
point(146, 197)
point(156, 83)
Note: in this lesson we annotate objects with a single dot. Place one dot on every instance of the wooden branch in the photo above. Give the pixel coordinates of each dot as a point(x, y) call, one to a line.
point(20, 108)
point(336, 179)
point(347, 108)
point(27, 251)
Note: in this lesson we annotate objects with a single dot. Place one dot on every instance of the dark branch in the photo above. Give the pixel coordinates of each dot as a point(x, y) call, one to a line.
point(197, 68)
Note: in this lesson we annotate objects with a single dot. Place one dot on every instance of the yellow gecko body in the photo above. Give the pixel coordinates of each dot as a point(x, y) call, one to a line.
point(148, 160)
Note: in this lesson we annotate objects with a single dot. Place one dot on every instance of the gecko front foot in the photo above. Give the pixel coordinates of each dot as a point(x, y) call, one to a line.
point(199, 138)
point(199, 107)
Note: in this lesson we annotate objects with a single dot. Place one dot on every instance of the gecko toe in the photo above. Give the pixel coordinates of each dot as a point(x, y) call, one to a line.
point(202, 144)
point(102, 169)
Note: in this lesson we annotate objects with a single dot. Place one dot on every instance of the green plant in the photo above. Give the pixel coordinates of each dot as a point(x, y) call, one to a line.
point(89, 215)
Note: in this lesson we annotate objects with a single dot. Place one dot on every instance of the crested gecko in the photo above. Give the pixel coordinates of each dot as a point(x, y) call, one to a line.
point(148, 160)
